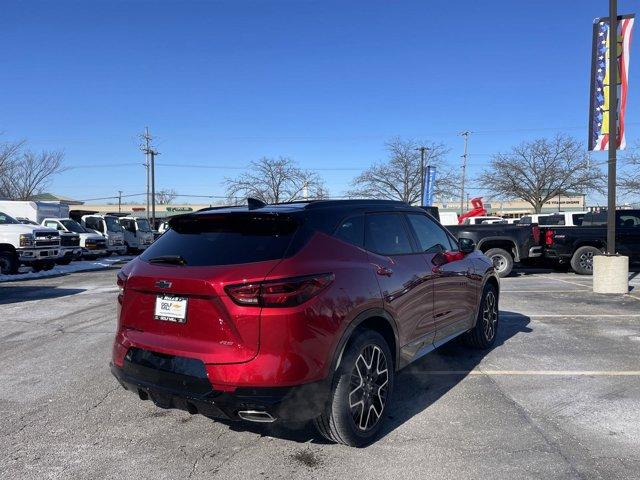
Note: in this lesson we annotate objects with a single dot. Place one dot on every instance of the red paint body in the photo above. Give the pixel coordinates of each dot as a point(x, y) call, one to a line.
point(254, 346)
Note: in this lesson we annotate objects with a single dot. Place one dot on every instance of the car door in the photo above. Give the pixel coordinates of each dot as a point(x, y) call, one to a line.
point(454, 278)
point(628, 234)
point(404, 279)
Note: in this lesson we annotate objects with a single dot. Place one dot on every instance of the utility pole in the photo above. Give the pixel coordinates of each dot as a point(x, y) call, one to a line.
point(422, 151)
point(149, 164)
point(119, 201)
point(465, 134)
point(613, 126)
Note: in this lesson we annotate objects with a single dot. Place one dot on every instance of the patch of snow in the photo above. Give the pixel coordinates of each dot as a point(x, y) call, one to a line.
point(26, 273)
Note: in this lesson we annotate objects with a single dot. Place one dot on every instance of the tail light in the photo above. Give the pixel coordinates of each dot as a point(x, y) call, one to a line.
point(535, 230)
point(122, 282)
point(287, 292)
point(548, 237)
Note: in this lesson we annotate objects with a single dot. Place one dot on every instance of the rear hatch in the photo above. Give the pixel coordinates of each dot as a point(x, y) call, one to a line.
point(190, 265)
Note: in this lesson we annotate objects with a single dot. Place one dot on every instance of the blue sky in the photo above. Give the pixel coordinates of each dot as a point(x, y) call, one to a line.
point(326, 83)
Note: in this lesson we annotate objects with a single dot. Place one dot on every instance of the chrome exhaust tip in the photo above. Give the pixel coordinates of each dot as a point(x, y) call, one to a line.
point(256, 416)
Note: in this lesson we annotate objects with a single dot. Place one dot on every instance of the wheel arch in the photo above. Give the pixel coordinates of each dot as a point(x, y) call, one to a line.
point(505, 243)
point(376, 319)
point(7, 247)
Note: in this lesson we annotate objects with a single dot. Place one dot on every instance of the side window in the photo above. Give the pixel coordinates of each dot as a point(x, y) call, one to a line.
point(91, 223)
point(351, 231)
point(628, 220)
point(431, 237)
point(386, 234)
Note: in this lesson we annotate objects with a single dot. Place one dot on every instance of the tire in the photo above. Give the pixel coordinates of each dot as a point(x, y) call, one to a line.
point(343, 423)
point(48, 265)
point(502, 261)
point(582, 260)
point(8, 263)
point(37, 266)
point(483, 334)
point(64, 261)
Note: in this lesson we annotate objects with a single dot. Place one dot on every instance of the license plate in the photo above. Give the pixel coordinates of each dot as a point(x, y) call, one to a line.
point(171, 309)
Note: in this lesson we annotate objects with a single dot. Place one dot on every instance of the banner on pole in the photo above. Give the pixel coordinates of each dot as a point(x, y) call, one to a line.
point(600, 81)
point(429, 186)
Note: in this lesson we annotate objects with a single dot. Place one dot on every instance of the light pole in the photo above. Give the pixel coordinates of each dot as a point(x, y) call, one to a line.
point(613, 126)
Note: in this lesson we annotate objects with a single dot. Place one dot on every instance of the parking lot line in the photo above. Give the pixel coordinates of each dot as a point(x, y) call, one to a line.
point(563, 281)
point(572, 315)
point(562, 373)
point(542, 291)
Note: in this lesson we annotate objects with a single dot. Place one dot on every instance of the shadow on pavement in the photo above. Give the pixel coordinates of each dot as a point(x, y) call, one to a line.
point(22, 293)
point(415, 389)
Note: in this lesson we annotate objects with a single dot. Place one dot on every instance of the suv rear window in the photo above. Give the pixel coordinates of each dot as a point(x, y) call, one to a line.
point(229, 239)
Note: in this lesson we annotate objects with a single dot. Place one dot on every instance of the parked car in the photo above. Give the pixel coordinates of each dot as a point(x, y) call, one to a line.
point(297, 311)
point(93, 245)
point(568, 219)
point(504, 244)
point(576, 246)
point(110, 228)
point(480, 220)
point(137, 233)
point(33, 246)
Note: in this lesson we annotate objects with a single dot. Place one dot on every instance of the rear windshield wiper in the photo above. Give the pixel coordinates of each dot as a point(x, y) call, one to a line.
point(169, 259)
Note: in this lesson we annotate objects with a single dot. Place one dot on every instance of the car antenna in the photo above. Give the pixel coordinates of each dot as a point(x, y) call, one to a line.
point(255, 204)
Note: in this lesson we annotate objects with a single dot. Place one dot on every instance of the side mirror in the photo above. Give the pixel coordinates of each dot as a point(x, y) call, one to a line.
point(466, 245)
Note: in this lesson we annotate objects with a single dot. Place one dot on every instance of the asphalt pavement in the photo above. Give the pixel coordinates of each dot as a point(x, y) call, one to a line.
point(558, 397)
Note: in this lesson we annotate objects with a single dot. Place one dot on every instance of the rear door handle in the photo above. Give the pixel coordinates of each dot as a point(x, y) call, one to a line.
point(384, 271)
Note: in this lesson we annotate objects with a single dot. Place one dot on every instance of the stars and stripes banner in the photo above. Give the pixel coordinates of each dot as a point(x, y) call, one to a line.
point(599, 108)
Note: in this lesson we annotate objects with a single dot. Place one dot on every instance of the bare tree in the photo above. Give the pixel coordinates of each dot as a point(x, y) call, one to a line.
point(276, 180)
point(28, 173)
point(9, 154)
point(399, 177)
point(542, 169)
point(165, 196)
point(629, 179)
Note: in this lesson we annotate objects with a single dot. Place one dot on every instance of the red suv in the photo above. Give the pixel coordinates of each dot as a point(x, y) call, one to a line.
point(297, 311)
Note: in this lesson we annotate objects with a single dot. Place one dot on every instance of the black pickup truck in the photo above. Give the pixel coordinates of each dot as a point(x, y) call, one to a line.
point(505, 244)
point(577, 245)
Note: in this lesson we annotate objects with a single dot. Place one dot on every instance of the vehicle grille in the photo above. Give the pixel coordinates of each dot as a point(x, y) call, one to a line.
point(96, 244)
point(69, 240)
point(47, 239)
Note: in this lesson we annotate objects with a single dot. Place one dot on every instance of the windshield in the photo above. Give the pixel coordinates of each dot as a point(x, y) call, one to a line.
point(143, 225)
point(73, 226)
point(7, 220)
point(113, 225)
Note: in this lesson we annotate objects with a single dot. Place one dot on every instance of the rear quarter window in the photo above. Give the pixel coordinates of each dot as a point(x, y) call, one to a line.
point(225, 239)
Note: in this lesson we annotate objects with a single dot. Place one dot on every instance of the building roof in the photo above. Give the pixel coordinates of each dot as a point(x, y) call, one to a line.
point(50, 197)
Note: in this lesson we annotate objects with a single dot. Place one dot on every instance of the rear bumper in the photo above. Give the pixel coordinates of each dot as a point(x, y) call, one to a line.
point(195, 394)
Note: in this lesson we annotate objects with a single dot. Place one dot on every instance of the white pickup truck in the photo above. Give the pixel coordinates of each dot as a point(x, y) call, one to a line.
point(93, 244)
point(35, 246)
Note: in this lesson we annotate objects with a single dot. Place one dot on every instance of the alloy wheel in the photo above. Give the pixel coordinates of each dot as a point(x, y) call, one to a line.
point(490, 316)
point(586, 260)
point(369, 387)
